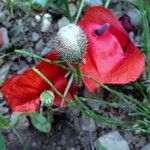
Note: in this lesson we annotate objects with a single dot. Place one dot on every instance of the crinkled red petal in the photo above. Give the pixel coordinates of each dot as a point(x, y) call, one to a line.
point(101, 15)
point(22, 91)
point(106, 61)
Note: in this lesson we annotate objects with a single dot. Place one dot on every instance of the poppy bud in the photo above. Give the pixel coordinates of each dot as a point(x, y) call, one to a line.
point(47, 98)
point(70, 43)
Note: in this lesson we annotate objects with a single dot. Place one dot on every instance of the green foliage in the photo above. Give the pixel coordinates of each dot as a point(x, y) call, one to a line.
point(40, 3)
point(13, 5)
point(3, 123)
point(101, 147)
point(40, 122)
point(2, 142)
point(144, 8)
point(58, 6)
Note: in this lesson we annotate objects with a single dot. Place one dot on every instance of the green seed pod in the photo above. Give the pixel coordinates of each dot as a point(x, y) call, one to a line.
point(70, 43)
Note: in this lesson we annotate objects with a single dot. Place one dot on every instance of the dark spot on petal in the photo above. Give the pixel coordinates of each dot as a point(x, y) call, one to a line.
point(102, 29)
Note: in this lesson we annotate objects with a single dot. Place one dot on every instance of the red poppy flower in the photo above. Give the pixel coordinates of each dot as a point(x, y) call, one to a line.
point(111, 57)
point(22, 92)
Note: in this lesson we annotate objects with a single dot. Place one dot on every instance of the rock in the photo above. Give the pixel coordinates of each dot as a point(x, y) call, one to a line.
point(2, 16)
point(94, 2)
point(1, 95)
point(135, 16)
point(46, 22)
point(6, 43)
point(23, 68)
point(132, 1)
point(88, 124)
point(63, 22)
point(73, 9)
point(3, 108)
point(4, 71)
point(23, 123)
point(112, 141)
point(45, 51)
point(147, 147)
point(37, 18)
point(35, 36)
point(39, 45)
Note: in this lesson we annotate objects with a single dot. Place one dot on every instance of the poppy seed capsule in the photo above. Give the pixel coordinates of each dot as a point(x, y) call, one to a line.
point(70, 43)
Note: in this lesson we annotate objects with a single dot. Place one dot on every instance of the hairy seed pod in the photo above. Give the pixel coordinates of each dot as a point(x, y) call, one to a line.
point(71, 43)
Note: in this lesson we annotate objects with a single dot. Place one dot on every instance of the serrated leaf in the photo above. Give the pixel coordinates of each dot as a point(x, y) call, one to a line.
point(2, 142)
point(40, 122)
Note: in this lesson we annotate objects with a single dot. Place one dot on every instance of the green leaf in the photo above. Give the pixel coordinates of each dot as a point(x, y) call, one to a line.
point(47, 98)
point(41, 3)
point(101, 147)
point(40, 122)
point(2, 142)
point(3, 123)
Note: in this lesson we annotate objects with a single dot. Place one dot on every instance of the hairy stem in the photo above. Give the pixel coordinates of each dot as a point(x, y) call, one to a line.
point(107, 3)
point(67, 88)
point(50, 84)
point(79, 11)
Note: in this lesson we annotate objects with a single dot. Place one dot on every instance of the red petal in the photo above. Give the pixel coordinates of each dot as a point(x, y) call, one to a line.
point(22, 91)
point(1, 39)
point(130, 69)
point(101, 15)
point(106, 60)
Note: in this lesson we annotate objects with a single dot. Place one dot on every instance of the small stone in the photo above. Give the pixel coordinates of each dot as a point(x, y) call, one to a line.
point(35, 36)
point(3, 109)
point(23, 123)
point(6, 43)
point(34, 144)
point(87, 124)
point(135, 16)
point(73, 9)
point(2, 16)
point(23, 68)
point(147, 147)
point(63, 140)
point(63, 22)
point(45, 51)
point(112, 141)
point(39, 45)
point(4, 71)
point(1, 95)
point(37, 18)
point(46, 22)
point(94, 2)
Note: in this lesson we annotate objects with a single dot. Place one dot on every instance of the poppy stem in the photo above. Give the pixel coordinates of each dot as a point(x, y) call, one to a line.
point(67, 88)
point(33, 55)
point(50, 84)
point(79, 11)
point(107, 3)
